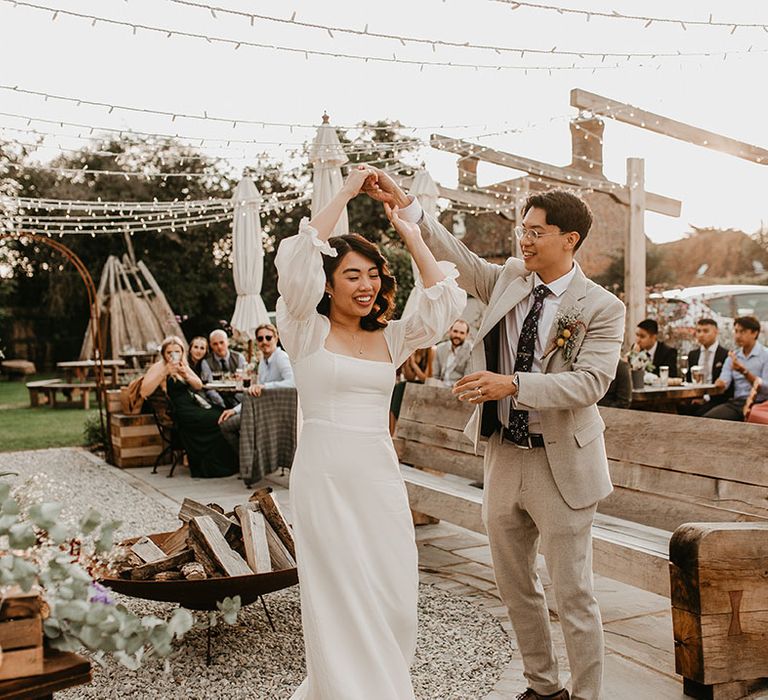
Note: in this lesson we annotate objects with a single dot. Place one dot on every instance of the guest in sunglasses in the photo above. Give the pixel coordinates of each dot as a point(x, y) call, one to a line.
point(275, 372)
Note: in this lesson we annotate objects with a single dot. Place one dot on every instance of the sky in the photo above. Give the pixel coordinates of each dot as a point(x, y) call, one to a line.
point(521, 112)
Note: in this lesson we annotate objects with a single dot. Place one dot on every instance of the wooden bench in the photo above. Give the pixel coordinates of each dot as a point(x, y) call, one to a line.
point(657, 489)
point(17, 368)
point(73, 394)
point(37, 388)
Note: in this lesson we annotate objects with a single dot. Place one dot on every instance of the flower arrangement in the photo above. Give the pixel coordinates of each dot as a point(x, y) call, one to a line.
point(569, 325)
point(39, 553)
point(640, 360)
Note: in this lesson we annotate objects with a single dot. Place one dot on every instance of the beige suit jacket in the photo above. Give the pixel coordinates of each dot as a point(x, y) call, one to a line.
point(565, 393)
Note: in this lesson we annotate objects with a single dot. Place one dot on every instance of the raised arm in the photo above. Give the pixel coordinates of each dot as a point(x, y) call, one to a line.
point(477, 276)
point(326, 219)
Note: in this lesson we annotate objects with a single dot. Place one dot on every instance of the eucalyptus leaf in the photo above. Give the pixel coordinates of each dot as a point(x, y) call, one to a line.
point(90, 521)
point(10, 506)
point(45, 515)
point(21, 536)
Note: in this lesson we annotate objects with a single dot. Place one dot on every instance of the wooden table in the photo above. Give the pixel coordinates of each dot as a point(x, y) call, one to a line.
point(60, 670)
point(80, 369)
point(659, 398)
point(223, 387)
point(139, 359)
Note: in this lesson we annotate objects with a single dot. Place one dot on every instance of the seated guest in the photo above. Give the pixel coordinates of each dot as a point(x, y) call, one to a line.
point(619, 394)
point(742, 370)
point(647, 338)
point(275, 372)
point(225, 361)
point(711, 357)
point(198, 349)
point(171, 379)
point(452, 355)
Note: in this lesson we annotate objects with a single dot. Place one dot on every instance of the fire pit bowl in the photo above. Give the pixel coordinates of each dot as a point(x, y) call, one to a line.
point(202, 594)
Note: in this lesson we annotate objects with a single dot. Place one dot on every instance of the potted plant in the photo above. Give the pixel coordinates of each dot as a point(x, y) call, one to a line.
point(41, 554)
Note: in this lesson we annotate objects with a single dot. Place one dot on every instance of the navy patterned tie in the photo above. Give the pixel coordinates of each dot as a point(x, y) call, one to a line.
point(526, 346)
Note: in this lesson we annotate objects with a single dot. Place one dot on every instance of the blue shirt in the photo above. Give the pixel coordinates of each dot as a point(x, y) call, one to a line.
point(757, 364)
point(274, 373)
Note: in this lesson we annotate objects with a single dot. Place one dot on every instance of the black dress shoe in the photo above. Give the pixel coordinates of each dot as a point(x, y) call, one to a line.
point(531, 694)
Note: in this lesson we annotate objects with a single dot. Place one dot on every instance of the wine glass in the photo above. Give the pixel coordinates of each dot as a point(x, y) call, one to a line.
point(684, 366)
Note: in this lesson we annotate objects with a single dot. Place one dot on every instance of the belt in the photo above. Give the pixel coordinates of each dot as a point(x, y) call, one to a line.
point(534, 440)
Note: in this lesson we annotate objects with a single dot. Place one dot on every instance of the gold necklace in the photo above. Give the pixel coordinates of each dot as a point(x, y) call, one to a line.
point(355, 341)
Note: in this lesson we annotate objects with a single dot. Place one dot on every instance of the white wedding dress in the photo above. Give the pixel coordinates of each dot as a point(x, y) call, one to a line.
point(355, 543)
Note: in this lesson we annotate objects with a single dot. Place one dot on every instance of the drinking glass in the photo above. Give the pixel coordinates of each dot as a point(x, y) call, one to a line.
point(697, 374)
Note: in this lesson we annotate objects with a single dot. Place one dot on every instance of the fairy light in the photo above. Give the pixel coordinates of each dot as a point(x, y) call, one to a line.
point(404, 40)
point(647, 20)
point(134, 26)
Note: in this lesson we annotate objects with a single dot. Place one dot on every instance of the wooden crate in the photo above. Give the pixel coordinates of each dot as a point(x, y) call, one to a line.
point(21, 637)
point(135, 440)
point(113, 401)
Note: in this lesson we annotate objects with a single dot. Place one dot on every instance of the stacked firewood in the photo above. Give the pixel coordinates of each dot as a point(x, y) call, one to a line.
point(252, 539)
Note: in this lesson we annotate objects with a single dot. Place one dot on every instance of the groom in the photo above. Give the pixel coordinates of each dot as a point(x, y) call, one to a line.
point(545, 353)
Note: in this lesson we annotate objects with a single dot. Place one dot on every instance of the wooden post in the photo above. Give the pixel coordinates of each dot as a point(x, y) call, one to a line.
point(634, 248)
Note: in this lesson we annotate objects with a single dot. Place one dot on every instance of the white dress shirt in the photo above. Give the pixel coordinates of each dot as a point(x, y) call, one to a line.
point(707, 360)
point(513, 324)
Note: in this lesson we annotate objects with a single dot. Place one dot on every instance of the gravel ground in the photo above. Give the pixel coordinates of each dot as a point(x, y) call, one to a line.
point(461, 649)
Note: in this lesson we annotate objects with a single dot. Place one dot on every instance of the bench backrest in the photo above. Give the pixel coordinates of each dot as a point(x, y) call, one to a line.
point(666, 469)
point(429, 432)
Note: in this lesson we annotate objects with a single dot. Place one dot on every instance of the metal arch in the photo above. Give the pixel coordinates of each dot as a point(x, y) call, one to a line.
point(93, 306)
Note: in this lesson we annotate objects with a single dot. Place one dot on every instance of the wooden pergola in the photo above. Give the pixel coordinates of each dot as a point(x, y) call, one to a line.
point(585, 173)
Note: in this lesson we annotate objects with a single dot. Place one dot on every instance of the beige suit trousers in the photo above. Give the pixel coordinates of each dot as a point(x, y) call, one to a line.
point(523, 509)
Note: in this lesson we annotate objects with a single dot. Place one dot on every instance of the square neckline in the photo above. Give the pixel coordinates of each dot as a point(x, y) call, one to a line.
point(390, 362)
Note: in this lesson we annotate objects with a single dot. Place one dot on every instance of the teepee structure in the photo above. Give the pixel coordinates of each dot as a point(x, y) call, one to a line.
point(134, 311)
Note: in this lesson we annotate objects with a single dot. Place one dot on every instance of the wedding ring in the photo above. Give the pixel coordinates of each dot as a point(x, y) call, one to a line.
point(479, 391)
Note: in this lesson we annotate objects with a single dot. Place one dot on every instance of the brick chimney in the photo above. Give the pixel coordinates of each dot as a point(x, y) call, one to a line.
point(587, 145)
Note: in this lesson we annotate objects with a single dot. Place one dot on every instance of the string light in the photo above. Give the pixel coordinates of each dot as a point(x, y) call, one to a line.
point(308, 52)
point(235, 121)
point(648, 20)
point(405, 40)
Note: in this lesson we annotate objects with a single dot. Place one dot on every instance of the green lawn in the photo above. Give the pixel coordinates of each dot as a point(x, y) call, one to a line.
point(25, 428)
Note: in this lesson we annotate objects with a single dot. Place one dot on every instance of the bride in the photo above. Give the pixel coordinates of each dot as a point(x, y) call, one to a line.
point(355, 543)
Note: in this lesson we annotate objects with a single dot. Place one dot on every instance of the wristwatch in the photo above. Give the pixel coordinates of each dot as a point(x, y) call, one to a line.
point(516, 382)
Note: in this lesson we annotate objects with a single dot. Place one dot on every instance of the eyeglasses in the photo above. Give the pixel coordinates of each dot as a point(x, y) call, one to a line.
point(521, 233)
point(261, 338)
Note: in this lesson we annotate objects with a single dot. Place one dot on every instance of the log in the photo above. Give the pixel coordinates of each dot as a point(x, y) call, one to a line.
point(211, 568)
point(206, 533)
point(192, 509)
point(176, 542)
point(720, 605)
point(254, 539)
point(147, 550)
point(193, 571)
point(148, 571)
point(168, 576)
point(278, 553)
point(271, 511)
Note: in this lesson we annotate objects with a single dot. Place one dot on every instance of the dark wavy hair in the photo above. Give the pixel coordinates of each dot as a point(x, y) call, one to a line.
point(564, 210)
point(384, 305)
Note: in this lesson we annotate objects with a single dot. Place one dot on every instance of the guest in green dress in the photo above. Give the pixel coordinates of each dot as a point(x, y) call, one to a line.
point(170, 379)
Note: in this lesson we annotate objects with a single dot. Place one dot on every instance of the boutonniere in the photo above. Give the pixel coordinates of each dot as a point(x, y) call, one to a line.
point(569, 326)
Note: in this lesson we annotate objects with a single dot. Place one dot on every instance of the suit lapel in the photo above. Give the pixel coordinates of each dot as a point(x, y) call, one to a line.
point(519, 289)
